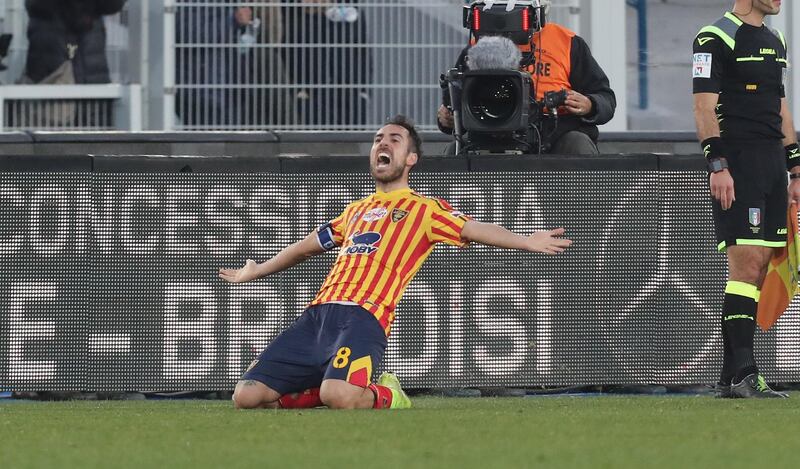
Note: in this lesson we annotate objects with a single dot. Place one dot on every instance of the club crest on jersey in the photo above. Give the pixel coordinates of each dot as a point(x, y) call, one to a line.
point(398, 214)
point(375, 214)
point(363, 243)
point(755, 216)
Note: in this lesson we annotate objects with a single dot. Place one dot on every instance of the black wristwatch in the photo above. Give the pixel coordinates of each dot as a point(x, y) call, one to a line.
point(717, 164)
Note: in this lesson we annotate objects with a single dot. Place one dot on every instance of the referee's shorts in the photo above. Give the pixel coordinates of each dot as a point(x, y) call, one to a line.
point(758, 215)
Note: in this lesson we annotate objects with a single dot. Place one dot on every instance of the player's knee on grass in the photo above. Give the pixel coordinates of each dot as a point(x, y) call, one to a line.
point(338, 394)
point(251, 394)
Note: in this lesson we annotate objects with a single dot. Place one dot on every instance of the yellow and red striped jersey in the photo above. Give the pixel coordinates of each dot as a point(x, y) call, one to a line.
point(383, 241)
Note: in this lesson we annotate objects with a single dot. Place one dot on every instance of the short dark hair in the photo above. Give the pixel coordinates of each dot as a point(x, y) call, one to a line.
point(408, 124)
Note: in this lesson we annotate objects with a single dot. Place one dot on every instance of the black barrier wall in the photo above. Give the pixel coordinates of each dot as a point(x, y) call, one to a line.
point(109, 272)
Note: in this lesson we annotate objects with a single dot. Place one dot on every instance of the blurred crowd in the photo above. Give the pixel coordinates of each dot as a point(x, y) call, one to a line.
point(227, 51)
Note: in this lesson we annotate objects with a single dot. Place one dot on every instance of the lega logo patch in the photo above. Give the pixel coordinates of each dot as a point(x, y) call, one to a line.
point(701, 65)
point(375, 214)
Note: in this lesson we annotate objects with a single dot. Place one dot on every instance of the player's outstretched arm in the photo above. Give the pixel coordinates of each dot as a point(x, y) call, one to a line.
point(548, 242)
point(289, 256)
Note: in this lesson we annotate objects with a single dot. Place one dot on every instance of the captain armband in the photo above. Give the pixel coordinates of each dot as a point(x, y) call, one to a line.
point(325, 237)
point(792, 155)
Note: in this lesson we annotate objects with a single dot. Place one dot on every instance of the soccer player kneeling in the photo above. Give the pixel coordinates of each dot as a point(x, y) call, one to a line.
point(328, 355)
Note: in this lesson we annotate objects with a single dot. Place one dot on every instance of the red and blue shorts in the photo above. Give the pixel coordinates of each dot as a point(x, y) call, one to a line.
point(327, 341)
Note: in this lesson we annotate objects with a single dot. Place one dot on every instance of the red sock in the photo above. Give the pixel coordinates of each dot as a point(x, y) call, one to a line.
point(301, 400)
point(383, 396)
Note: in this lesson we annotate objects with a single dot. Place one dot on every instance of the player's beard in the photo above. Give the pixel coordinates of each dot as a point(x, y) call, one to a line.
point(391, 174)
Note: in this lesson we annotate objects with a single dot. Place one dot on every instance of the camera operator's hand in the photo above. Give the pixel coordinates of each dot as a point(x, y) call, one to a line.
point(445, 117)
point(578, 104)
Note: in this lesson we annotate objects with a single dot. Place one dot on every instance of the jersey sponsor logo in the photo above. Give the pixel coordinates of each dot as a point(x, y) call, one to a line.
point(703, 40)
point(363, 243)
point(751, 87)
point(398, 214)
point(766, 51)
point(782, 231)
point(755, 216)
point(375, 214)
point(701, 66)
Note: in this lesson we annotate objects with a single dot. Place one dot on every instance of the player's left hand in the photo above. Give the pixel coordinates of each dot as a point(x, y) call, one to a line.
point(245, 274)
point(578, 104)
point(548, 242)
point(794, 191)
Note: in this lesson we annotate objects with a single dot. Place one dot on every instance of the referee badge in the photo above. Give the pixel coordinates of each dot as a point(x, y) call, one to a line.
point(755, 216)
point(398, 215)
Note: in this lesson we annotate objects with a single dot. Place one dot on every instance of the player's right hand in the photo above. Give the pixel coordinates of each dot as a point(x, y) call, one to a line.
point(245, 274)
point(721, 184)
point(445, 117)
point(548, 242)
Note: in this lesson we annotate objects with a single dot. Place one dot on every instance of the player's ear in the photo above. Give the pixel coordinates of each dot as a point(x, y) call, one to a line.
point(412, 158)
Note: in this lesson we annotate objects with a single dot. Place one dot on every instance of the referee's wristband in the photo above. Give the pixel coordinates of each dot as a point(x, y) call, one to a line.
point(792, 155)
point(717, 164)
point(712, 148)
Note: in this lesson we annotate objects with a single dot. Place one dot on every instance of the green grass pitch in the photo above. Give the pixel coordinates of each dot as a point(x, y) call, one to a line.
point(569, 432)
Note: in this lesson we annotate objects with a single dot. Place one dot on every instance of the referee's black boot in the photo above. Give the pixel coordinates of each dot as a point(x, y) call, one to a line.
point(722, 390)
point(753, 385)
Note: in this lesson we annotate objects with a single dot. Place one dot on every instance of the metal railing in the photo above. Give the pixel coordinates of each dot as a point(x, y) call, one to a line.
point(300, 65)
point(70, 107)
point(306, 65)
point(309, 65)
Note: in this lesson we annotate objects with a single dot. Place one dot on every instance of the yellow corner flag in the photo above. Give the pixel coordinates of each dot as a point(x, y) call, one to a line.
point(781, 282)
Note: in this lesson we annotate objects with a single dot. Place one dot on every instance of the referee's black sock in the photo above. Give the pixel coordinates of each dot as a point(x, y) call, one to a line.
point(739, 324)
point(728, 368)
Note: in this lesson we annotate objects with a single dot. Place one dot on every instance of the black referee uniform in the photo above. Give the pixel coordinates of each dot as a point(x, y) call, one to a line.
point(746, 65)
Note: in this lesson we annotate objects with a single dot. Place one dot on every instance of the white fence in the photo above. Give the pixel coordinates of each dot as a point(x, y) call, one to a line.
point(70, 107)
point(265, 65)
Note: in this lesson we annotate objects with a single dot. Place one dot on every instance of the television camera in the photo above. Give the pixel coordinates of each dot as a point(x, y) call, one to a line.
point(493, 102)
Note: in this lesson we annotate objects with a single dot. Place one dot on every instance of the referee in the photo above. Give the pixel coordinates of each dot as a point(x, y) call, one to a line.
point(749, 141)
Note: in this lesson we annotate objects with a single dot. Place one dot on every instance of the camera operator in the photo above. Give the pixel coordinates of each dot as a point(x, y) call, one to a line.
point(558, 60)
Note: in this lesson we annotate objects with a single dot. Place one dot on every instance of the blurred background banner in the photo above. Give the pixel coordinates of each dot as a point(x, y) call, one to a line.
point(110, 273)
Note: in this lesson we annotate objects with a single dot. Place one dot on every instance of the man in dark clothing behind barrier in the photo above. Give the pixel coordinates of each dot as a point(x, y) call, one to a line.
point(62, 30)
point(562, 60)
point(331, 77)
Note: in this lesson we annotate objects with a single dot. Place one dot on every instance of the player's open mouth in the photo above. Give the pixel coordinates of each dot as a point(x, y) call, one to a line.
point(383, 159)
